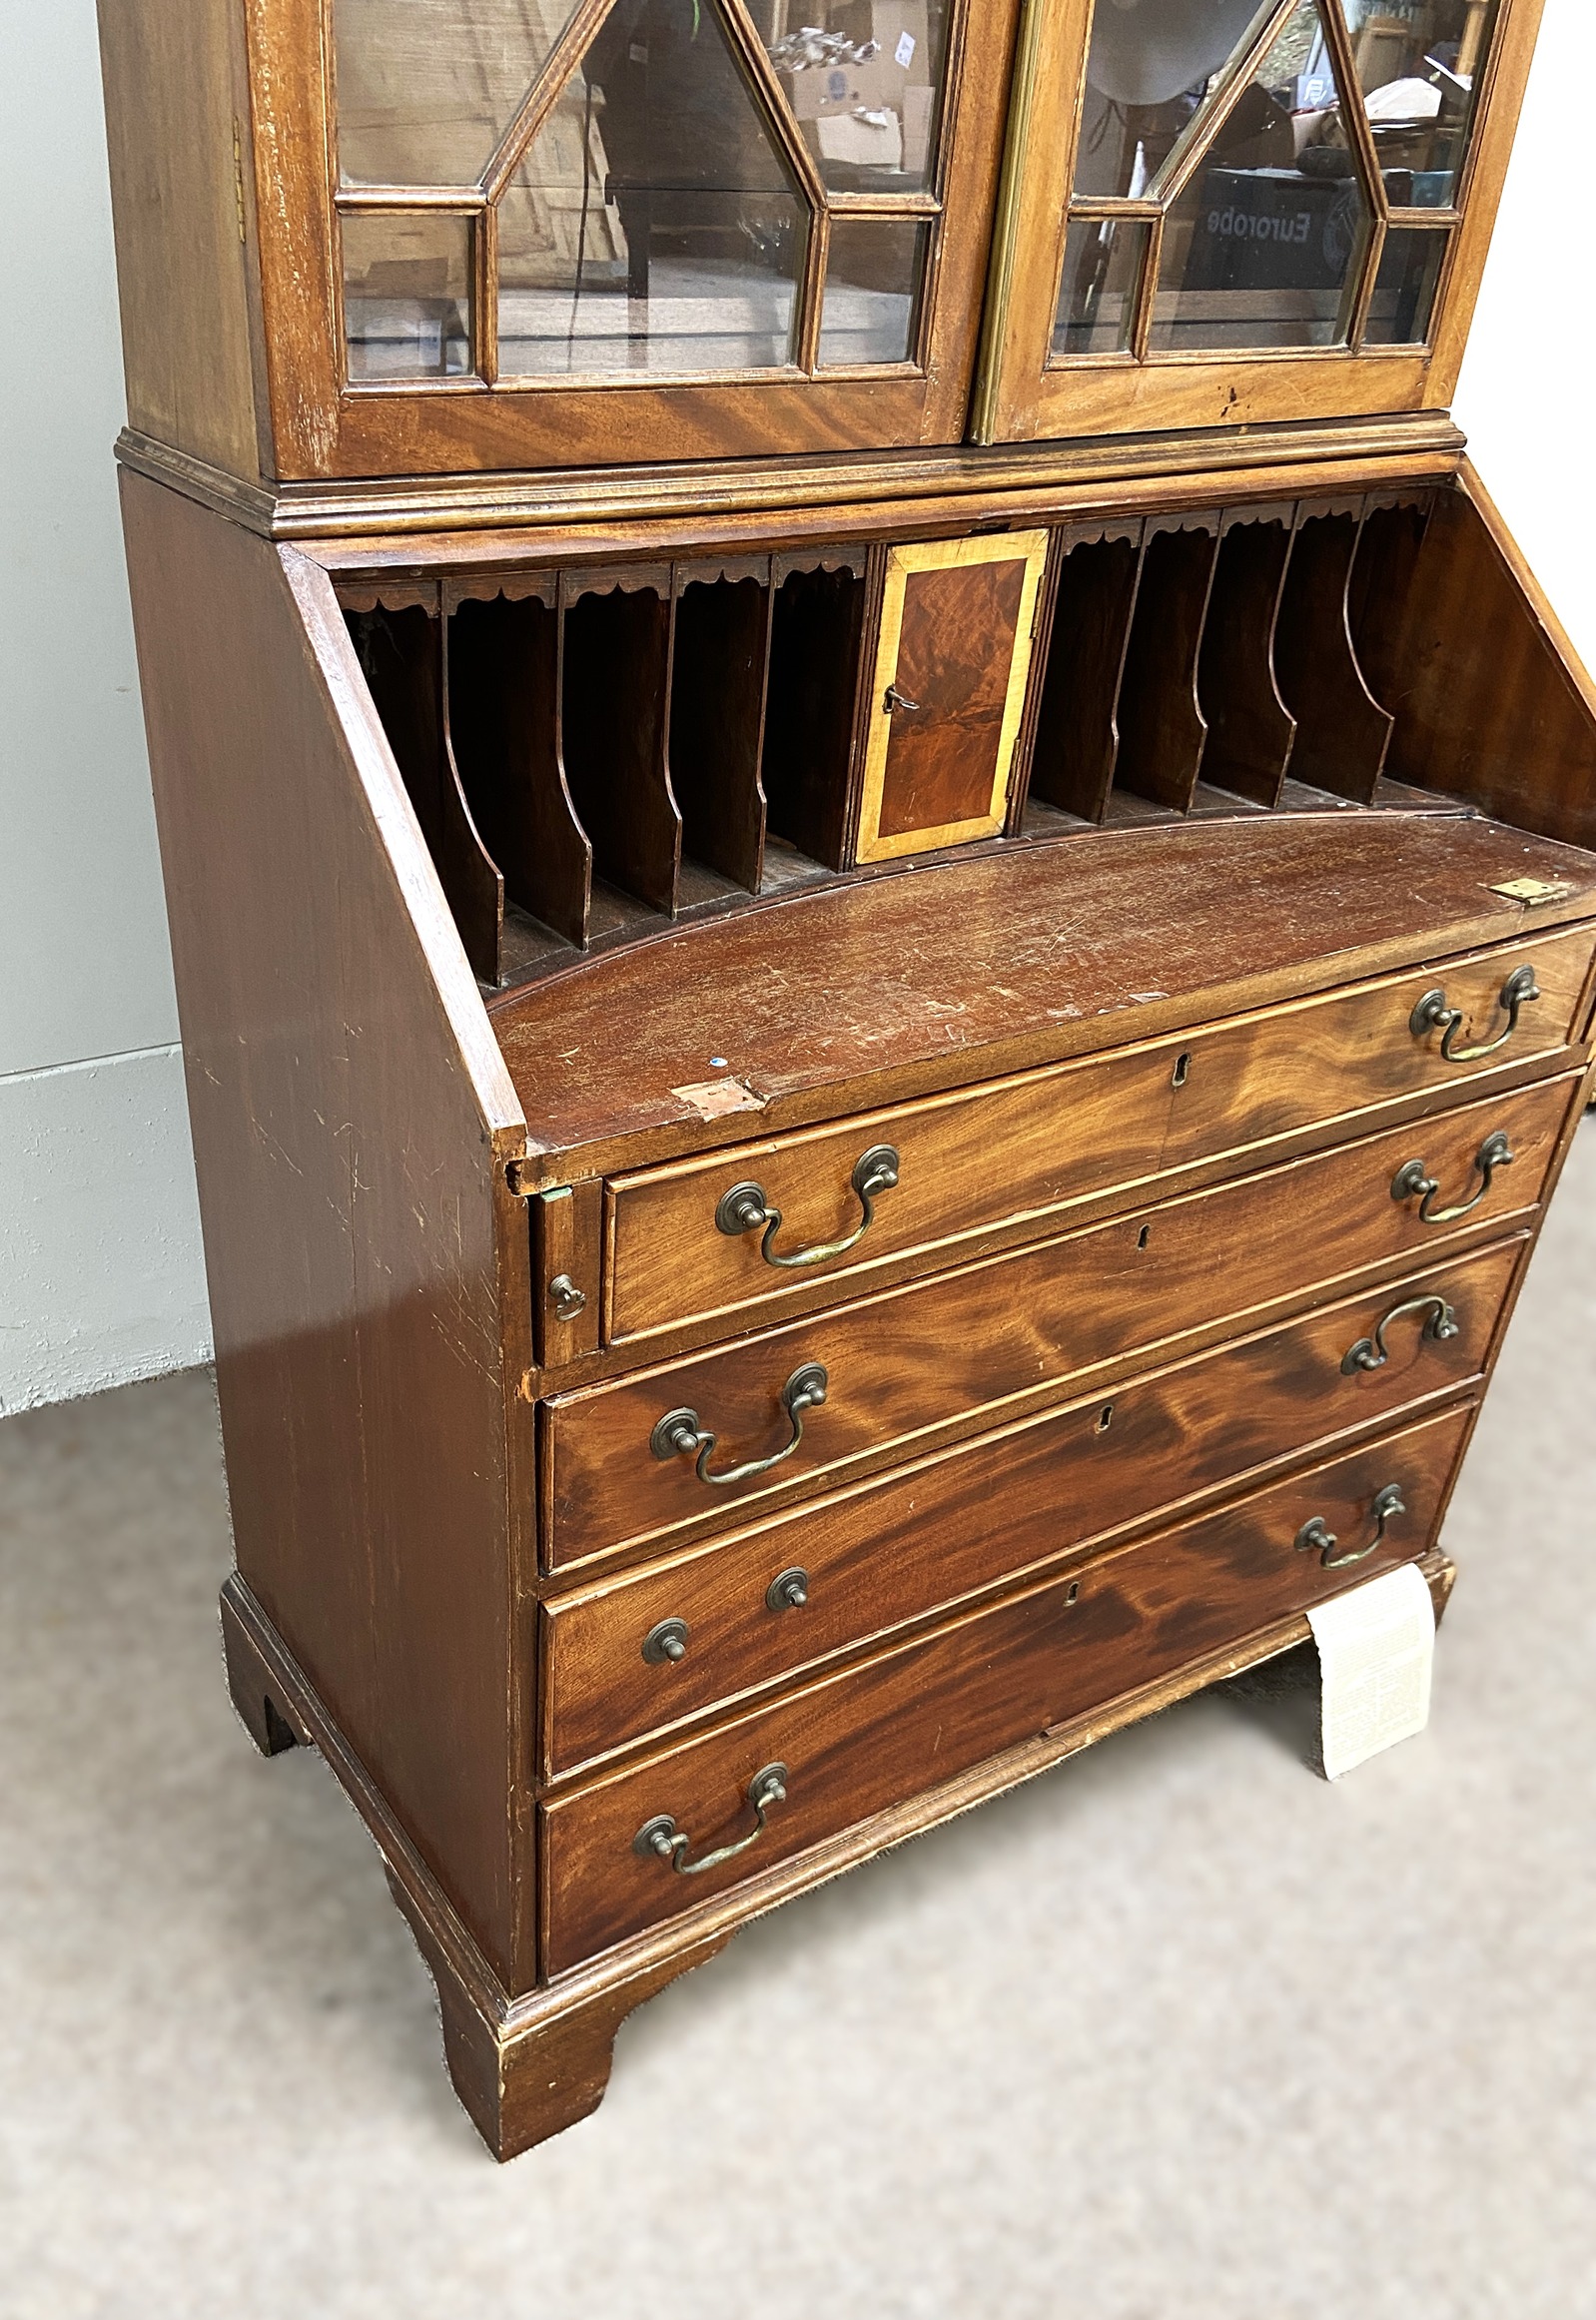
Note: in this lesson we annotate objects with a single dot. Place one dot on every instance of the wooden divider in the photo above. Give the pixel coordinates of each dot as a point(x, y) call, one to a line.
point(1381, 587)
point(1161, 727)
point(400, 649)
point(719, 666)
point(613, 696)
point(1077, 738)
point(503, 711)
point(1250, 730)
point(1343, 733)
point(812, 708)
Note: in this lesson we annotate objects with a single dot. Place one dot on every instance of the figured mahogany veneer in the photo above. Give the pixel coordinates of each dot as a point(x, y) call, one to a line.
point(934, 1530)
point(912, 1364)
point(1118, 1120)
point(857, 1741)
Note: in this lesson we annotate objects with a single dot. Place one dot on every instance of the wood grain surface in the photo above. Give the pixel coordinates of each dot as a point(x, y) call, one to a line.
point(1029, 1145)
point(352, 1123)
point(918, 1538)
point(959, 970)
point(878, 1733)
point(952, 1351)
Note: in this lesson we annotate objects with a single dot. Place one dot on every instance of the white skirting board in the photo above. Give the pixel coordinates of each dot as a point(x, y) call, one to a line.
point(102, 1279)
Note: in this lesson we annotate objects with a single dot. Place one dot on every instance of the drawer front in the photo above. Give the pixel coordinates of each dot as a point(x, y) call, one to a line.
point(871, 1734)
point(967, 1164)
point(957, 1348)
point(911, 1542)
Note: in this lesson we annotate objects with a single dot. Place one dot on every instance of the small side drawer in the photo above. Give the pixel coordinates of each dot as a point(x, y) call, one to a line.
point(954, 1350)
point(887, 1729)
point(914, 1540)
point(685, 1242)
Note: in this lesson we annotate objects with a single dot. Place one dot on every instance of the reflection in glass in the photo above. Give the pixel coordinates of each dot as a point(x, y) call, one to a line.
point(426, 88)
point(1097, 296)
point(406, 294)
point(1264, 247)
point(653, 224)
point(1419, 68)
point(1153, 67)
point(873, 274)
point(864, 79)
point(1405, 286)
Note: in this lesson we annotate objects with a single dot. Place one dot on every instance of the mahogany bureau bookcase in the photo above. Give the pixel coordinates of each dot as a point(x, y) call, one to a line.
point(882, 890)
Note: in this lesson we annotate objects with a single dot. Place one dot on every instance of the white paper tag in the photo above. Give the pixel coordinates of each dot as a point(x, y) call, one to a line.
point(1376, 1648)
point(904, 53)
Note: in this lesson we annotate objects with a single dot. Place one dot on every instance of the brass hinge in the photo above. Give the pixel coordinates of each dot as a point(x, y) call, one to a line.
point(237, 175)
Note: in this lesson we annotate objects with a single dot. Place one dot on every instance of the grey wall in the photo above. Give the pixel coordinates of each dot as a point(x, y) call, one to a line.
point(101, 1277)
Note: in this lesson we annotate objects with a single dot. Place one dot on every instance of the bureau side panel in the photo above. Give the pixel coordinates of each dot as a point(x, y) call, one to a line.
point(349, 1142)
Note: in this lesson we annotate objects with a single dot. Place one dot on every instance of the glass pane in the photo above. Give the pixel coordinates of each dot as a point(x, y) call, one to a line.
point(407, 295)
point(653, 224)
point(873, 277)
point(1419, 64)
point(426, 88)
point(864, 79)
point(1404, 287)
point(1265, 246)
point(1097, 296)
point(1154, 65)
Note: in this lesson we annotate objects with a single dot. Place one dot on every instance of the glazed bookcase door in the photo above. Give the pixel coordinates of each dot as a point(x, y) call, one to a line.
point(1228, 212)
point(507, 234)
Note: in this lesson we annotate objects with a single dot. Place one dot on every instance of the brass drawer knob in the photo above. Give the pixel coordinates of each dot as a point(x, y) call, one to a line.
point(1413, 1181)
point(666, 1642)
point(565, 1297)
point(1433, 1014)
point(1316, 1538)
point(1373, 1354)
point(678, 1434)
point(745, 1210)
point(788, 1591)
point(660, 1838)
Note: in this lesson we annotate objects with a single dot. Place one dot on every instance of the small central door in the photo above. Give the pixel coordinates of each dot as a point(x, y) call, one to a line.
point(951, 667)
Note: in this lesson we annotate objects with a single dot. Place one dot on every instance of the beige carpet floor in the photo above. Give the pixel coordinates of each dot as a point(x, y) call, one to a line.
point(1177, 2030)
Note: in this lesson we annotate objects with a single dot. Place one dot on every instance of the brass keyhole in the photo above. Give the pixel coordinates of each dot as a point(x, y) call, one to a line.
point(1105, 1417)
point(1182, 1066)
point(1144, 1236)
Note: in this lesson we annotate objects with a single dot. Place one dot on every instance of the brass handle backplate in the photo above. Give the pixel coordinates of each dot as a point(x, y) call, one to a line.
point(660, 1838)
point(679, 1435)
point(1373, 1354)
point(1413, 1181)
point(745, 1210)
point(1433, 1014)
point(1316, 1538)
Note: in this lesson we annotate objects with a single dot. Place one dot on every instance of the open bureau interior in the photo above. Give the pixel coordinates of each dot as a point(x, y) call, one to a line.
point(597, 751)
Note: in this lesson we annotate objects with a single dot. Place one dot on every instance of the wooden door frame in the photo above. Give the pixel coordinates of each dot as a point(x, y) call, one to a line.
point(324, 427)
point(1020, 395)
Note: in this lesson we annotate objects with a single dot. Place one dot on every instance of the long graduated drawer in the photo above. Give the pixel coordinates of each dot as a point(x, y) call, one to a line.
point(697, 1239)
point(958, 1348)
point(871, 1735)
point(870, 1558)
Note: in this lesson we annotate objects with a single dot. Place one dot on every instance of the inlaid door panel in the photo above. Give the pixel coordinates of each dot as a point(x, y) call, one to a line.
point(954, 655)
